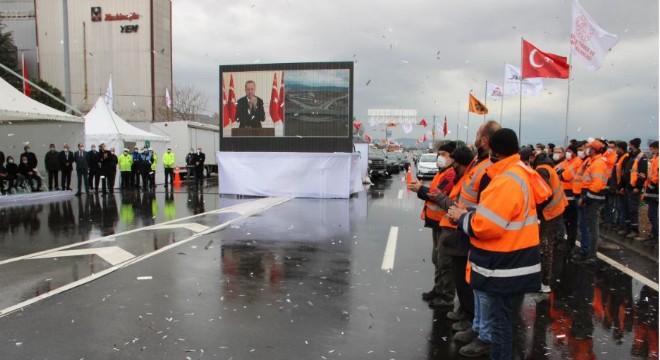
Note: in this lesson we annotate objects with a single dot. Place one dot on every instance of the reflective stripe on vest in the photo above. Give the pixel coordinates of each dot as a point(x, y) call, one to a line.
point(500, 273)
point(431, 209)
point(469, 194)
point(557, 203)
point(594, 196)
point(635, 169)
point(619, 167)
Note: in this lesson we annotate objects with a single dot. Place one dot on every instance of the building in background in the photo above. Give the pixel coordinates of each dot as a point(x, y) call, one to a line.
point(18, 16)
point(82, 43)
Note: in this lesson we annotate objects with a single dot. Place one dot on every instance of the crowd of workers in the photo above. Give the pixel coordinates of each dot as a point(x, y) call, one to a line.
point(498, 215)
point(96, 170)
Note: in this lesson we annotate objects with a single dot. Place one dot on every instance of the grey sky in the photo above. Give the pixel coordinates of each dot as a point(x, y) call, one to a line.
point(427, 55)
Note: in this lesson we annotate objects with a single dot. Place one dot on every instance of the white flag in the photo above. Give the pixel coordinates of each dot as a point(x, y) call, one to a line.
point(494, 90)
point(588, 40)
point(512, 76)
point(168, 99)
point(108, 94)
point(407, 128)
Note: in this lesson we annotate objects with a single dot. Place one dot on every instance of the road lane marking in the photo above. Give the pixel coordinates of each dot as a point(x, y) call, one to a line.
point(400, 196)
point(190, 226)
point(113, 254)
point(266, 203)
point(390, 249)
point(241, 209)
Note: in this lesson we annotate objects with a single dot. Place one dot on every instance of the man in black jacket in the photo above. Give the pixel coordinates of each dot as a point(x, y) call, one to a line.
point(633, 184)
point(200, 157)
point(31, 157)
point(52, 161)
point(82, 168)
point(66, 166)
point(250, 109)
point(94, 162)
point(28, 173)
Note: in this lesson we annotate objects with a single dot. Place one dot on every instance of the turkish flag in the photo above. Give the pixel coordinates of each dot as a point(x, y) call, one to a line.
point(367, 137)
point(423, 123)
point(225, 109)
point(537, 64)
point(424, 138)
point(274, 110)
point(444, 128)
point(26, 85)
point(281, 110)
point(357, 125)
point(232, 100)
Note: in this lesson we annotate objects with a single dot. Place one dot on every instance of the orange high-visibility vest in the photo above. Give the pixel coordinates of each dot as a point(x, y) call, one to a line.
point(470, 188)
point(431, 209)
point(619, 167)
point(651, 183)
point(556, 206)
point(577, 180)
point(611, 161)
point(594, 180)
point(504, 230)
point(634, 170)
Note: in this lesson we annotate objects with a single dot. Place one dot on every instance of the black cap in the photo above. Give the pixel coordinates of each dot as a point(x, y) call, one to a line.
point(449, 147)
point(504, 142)
point(636, 142)
point(462, 155)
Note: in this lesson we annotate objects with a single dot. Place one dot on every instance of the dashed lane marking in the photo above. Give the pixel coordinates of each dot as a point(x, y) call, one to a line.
point(113, 254)
point(390, 249)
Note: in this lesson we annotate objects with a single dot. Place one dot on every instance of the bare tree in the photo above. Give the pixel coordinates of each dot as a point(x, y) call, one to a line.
point(188, 101)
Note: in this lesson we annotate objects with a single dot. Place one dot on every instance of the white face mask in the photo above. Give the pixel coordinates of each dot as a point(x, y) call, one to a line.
point(569, 156)
point(556, 157)
point(538, 151)
point(581, 154)
point(442, 162)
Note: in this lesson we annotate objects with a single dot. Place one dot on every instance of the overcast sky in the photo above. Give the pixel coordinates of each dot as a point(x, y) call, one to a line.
point(427, 55)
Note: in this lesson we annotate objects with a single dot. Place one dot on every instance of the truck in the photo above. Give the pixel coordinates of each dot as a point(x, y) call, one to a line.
point(186, 135)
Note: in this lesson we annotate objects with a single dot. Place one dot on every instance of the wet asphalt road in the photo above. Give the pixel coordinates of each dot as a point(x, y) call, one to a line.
point(194, 275)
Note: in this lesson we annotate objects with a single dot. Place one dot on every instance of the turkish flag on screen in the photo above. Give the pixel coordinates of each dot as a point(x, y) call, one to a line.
point(274, 110)
point(281, 109)
point(536, 63)
point(232, 100)
point(225, 108)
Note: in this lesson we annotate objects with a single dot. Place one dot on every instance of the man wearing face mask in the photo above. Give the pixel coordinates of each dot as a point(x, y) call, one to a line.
point(590, 203)
point(567, 171)
point(168, 165)
point(199, 159)
point(94, 162)
point(622, 220)
point(504, 260)
point(442, 293)
point(633, 185)
point(609, 208)
point(135, 168)
point(52, 162)
point(29, 174)
point(82, 168)
point(66, 165)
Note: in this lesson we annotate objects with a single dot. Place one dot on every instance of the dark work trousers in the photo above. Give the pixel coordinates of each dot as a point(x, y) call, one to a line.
point(633, 208)
point(653, 218)
point(66, 179)
point(52, 178)
point(589, 241)
point(126, 182)
point(199, 176)
point(501, 309)
point(169, 173)
point(463, 289)
point(135, 176)
point(94, 179)
point(622, 216)
point(548, 229)
point(83, 178)
point(443, 282)
point(571, 223)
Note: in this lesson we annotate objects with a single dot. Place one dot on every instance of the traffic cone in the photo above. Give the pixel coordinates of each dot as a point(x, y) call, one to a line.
point(177, 178)
point(409, 177)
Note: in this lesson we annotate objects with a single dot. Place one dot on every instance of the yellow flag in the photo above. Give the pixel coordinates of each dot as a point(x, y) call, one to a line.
point(476, 106)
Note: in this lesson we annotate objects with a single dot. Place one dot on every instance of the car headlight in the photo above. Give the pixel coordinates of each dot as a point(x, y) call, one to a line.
point(371, 162)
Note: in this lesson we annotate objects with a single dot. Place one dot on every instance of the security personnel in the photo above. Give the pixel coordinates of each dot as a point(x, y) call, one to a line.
point(152, 175)
point(651, 196)
point(550, 214)
point(125, 161)
point(443, 290)
point(135, 168)
point(633, 184)
point(168, 166)
point(592, 199)
point(567, 170)
point(504, 259)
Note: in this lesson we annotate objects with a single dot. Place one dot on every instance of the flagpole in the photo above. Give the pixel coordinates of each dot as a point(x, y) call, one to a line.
point(433, 131)
point(502, 106)
point(458, 116)
point(568, 96)
point(486, 99)
point(520, 89)
point(467, 128)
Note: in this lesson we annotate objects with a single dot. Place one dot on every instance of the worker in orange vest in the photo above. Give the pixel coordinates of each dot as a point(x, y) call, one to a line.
point(592, 198)
point(567, 171)
point(609, 209)
point(622, 220)
point(633, 184)
point(550, 215)
point(442, 294)
point(504, 259)
point(651, 195)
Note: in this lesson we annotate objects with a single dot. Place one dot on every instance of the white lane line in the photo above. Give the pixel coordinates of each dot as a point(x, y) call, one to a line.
point(390, 249)
point(241, 209)
point(267, 204)
point(191, 226)
point(400, 196)
point(112, 254)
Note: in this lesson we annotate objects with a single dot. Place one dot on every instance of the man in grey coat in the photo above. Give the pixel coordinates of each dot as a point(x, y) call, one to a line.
point(82, 168)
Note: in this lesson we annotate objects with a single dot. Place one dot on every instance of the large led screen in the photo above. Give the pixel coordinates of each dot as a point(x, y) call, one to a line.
point(280, 104)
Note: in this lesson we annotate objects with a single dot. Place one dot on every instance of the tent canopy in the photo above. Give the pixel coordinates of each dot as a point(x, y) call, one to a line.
point(101, 123)
point(15, 106)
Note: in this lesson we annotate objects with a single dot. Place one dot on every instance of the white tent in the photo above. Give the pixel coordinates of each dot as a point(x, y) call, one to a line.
point(26, 121)
point(102, 125)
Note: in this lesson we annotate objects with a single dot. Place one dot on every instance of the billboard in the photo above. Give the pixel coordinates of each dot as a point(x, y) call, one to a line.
point(300, 107)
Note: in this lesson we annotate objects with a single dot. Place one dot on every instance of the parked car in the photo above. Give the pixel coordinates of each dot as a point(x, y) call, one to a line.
point(377, 166)
point(404, 159)
point(394, 164)
point(427, 166)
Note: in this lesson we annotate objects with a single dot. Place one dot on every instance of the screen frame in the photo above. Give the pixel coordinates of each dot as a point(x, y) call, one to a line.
point(287, 143)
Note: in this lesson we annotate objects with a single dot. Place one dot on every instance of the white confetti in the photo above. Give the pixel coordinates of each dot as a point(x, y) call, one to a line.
point(145, 277)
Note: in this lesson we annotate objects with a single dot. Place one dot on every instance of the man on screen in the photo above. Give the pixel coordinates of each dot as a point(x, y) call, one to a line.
point(250, 109)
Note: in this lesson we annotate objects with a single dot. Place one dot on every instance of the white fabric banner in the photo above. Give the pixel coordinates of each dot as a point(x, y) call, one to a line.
point(512, 76)
point(407, 128)
point(494, 90)
point(588, 40)
point(310, 175)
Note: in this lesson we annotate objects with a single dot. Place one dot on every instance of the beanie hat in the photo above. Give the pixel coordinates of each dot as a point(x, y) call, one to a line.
point(525, 153)
point(636, 142)
point(462, 155)
point(504, 141)
point(449, 147)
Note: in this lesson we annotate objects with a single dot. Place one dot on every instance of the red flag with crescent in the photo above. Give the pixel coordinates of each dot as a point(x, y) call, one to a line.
point(444, 128)
point(274, 109)
point(232, 100)
point(423, 123)
point(281, 110)
point(538, 64)
point(225, 109)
